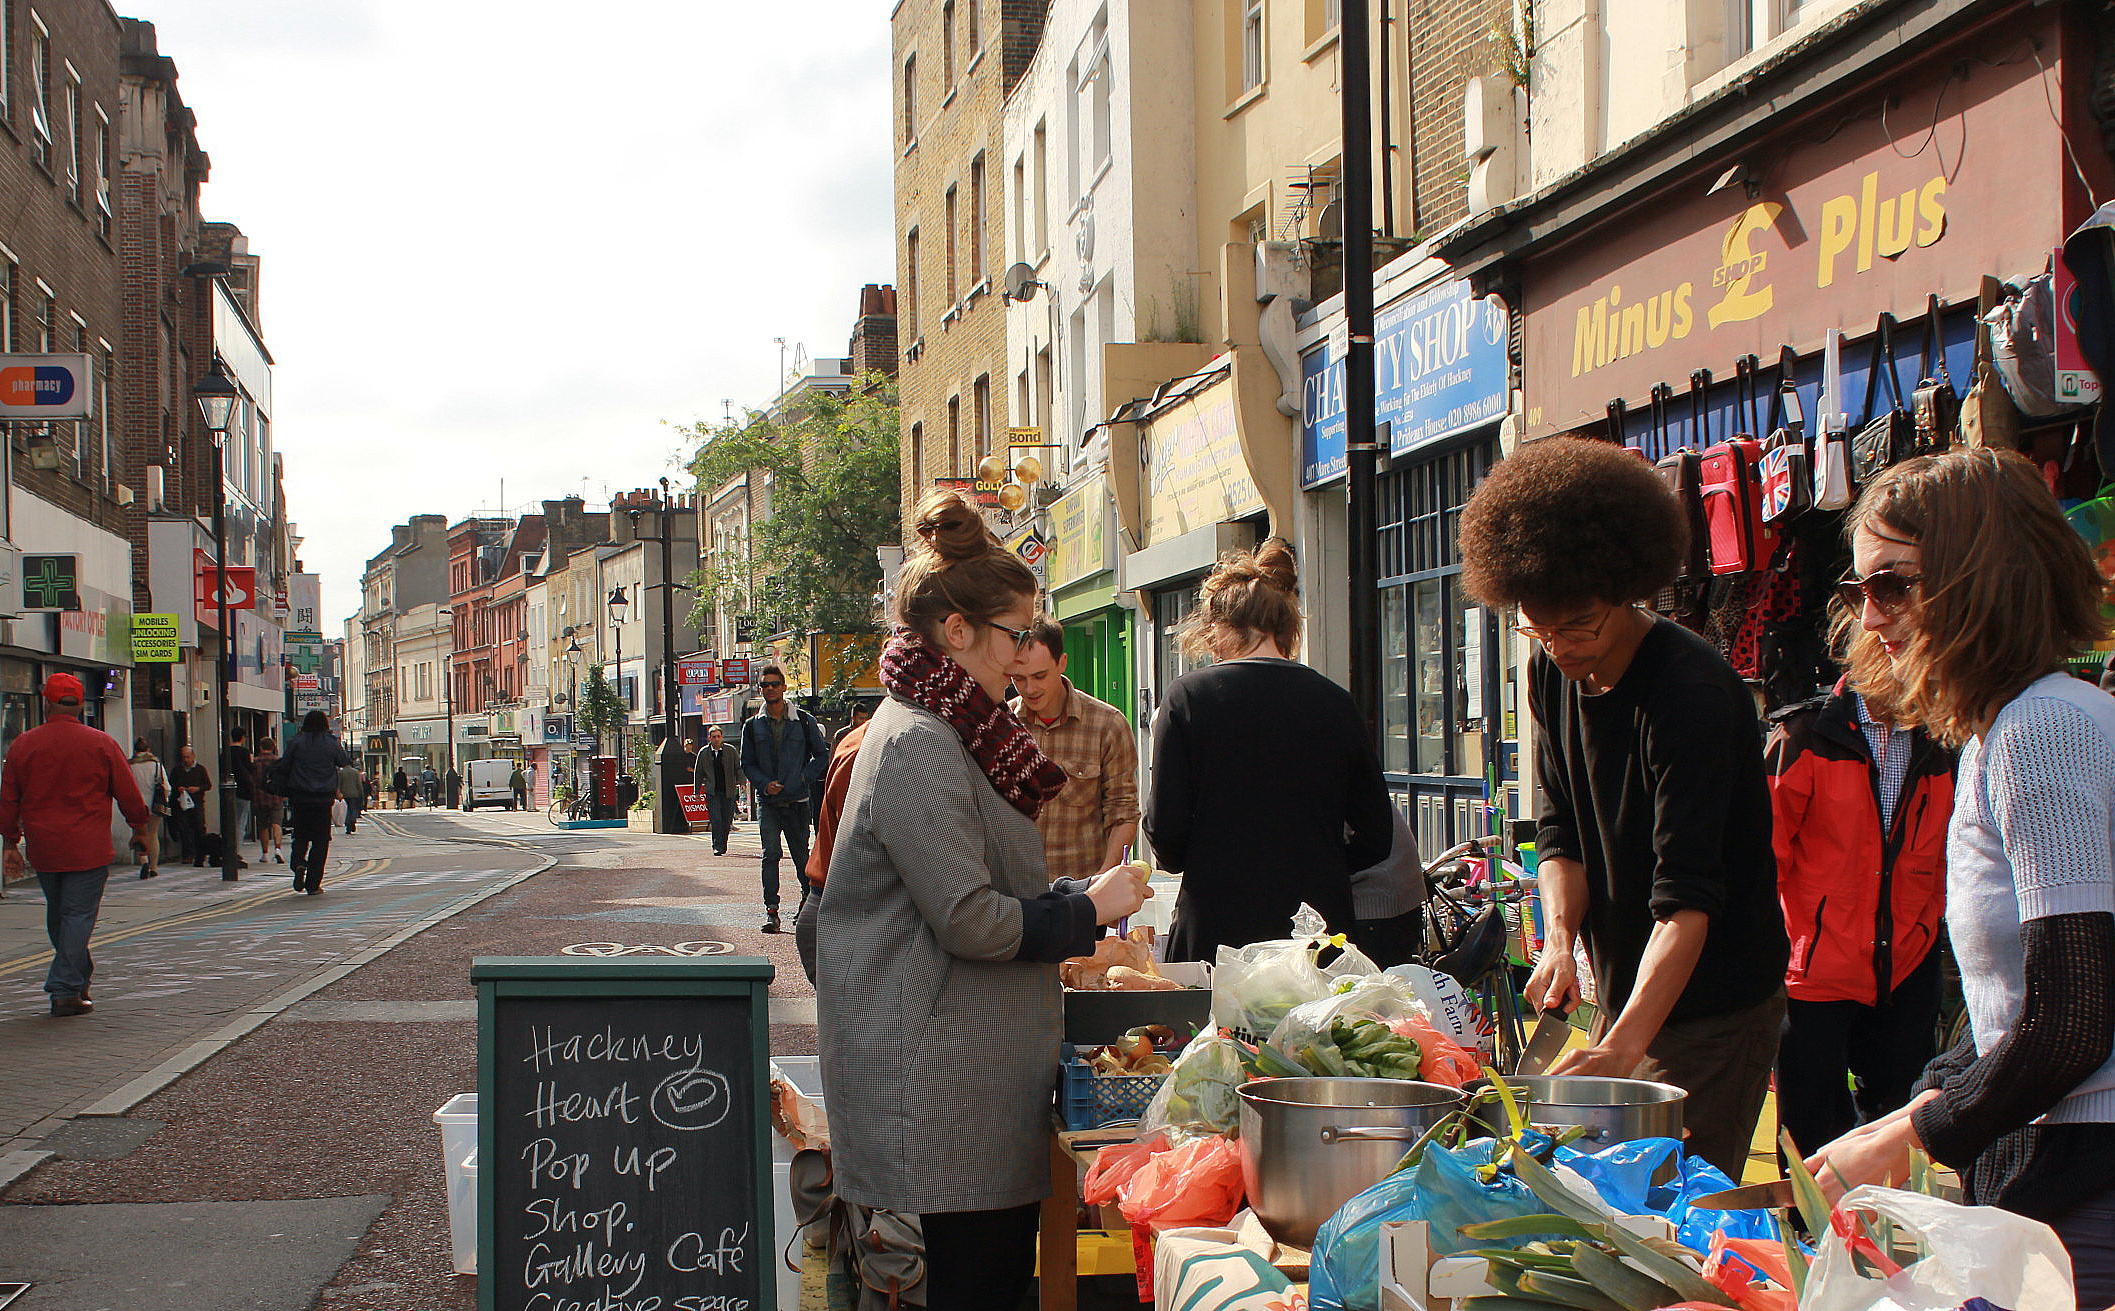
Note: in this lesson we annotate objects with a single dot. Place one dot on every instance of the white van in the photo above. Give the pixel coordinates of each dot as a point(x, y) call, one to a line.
point(485, 784)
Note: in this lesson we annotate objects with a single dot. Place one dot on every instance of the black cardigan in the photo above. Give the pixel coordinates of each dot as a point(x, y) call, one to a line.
point(1266, 793)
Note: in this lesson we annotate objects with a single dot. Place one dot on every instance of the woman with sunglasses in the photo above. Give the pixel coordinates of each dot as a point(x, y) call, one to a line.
point(1972, 592)
point(1266, 789)
point(939, 936)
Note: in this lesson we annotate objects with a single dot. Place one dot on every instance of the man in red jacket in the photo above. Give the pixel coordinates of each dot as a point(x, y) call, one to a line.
point(56, 790)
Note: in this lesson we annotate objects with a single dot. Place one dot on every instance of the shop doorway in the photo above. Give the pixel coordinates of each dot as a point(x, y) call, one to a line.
point(1448, 701)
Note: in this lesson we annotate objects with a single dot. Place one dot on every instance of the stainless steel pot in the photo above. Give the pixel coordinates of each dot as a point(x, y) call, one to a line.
point(1309, 1145)
point(1613, 1110)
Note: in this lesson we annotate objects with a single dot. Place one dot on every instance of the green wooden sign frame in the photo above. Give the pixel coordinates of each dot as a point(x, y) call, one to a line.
point(501, 978)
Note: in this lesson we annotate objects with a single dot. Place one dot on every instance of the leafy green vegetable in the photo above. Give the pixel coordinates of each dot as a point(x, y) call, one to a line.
point(1630, 1289)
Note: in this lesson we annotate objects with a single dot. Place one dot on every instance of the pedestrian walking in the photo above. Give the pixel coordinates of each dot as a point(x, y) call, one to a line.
point(55, 795)
point(518, 787)
point(1090, 825)
point(717, 774)
point(1266, 789)
point(313, 759)
point(352, 789)
point(1654, 833)
point(270, 806)
point(401, 785)
point(1971, 595)
point(242, 767)
point(783, 755)
point(1861, 804)
point(430, 786)
point(190, 783)
point(939, 908)
point(153, 783)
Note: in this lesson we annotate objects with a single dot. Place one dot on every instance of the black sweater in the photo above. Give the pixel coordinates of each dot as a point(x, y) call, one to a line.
point(1656, 786)
point(1267, 792)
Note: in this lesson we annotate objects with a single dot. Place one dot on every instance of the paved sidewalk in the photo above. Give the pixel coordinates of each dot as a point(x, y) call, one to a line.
point(333, 1098)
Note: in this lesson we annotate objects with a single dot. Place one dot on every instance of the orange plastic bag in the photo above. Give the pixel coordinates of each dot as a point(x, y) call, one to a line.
point(1442, 1060)
point(1114, 1166)
point(1198, 1183)
point(1732, 1266)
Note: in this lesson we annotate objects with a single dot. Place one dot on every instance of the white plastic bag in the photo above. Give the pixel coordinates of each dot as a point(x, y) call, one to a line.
point(1199, 1093)
point(1383, 997)
point(1449, 1005)
point(1255, 987)
point(1970, 1251)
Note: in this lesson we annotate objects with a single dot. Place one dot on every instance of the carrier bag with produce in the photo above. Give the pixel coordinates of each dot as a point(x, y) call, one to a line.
point(1375, 1028)
point(1199, 1094)
point(1967, 1252)
point(1254, 987)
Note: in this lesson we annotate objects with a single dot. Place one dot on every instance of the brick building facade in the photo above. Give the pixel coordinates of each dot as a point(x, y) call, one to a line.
point(955, 63)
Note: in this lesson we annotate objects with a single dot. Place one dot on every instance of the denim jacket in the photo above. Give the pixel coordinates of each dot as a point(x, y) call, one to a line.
point(808, 755)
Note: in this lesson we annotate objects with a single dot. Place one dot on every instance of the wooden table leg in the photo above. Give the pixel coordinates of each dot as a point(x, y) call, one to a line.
point(1059, 1281)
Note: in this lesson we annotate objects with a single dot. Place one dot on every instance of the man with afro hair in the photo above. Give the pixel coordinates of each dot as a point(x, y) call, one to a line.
point(1654, 828)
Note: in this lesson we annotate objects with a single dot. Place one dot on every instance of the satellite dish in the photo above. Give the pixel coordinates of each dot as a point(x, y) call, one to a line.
point(1021, 282)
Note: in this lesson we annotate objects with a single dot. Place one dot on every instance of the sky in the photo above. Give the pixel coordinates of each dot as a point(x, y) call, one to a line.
point(512, 244)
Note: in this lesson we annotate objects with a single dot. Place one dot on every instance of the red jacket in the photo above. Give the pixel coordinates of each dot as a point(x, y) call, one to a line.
point(57, 788)
point(1860, 905)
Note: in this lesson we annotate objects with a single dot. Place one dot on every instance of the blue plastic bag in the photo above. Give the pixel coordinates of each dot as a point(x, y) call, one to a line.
point(1623, 1174)
point(1443, 1189)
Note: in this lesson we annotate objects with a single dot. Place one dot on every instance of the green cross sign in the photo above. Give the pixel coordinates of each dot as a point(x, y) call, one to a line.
point(305, 659)
point(51, 582)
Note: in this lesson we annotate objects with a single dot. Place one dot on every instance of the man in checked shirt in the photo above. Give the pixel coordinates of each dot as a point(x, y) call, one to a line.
point(1086, 828)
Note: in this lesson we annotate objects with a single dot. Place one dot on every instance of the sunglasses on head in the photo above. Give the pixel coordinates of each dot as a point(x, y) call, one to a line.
point(1889, 591)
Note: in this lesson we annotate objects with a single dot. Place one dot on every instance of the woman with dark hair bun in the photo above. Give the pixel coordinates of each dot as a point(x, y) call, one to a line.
point(1267, 791)
point(939, 933)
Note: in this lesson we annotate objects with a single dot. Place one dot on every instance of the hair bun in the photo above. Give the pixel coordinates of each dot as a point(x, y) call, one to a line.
point(951, 528)
point(1274, 563)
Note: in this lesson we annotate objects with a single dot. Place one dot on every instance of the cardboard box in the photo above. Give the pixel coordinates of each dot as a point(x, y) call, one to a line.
point(1093, 1018)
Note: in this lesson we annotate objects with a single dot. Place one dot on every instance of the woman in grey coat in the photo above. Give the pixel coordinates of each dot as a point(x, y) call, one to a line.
point(939, 938)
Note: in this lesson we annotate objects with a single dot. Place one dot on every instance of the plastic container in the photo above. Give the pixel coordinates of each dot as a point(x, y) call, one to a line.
point(805, 1073)
point(458, 1125)
point(1089, 1100)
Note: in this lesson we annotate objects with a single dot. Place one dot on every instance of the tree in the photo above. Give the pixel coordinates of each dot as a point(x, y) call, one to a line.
point(833, 473)
point(601, 709)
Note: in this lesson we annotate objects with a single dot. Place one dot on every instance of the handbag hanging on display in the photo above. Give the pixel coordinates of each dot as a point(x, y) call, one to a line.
point(1787, 482)
point(1683, 600)
point(1934, 404)
point(1988, 416)
point(1832, 431)
point(1884, 440)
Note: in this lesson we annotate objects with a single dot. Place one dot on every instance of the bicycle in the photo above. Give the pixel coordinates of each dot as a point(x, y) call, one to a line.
point(1467, 928)
point(568, 806)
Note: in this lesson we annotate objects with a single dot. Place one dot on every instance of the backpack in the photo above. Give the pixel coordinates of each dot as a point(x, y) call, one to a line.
point(884, 1251)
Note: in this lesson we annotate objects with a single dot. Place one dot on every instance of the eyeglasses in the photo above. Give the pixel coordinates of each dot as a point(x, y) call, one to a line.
point(772, 682)
point(1021, 636)
point(1571, 634)
point(1889, 590)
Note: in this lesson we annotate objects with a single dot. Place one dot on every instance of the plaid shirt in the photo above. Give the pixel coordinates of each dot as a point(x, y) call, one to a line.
point(1890, 748)
point(1093, 741)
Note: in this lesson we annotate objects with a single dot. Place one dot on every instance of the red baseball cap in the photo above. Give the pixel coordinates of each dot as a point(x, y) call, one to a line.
point(64, 687)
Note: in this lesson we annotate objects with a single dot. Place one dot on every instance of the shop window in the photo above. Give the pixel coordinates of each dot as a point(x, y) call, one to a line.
point(1170, 609)
point(1435, 709)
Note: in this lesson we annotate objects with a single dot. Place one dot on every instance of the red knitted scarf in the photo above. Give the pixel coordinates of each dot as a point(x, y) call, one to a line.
point(913, 668)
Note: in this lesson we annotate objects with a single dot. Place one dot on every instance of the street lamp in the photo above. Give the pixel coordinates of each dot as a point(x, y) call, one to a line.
point(618, 603)
point(447, 612)
point(572, 720)
point(216, 397)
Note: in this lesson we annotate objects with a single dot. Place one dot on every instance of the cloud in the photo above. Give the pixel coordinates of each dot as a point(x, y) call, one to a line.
point(507, 242)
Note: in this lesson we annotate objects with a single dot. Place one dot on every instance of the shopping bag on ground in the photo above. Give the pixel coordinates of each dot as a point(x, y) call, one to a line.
point(1967, 1252)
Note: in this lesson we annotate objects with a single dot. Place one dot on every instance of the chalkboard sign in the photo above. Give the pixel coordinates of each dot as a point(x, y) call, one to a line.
point(623, 1156)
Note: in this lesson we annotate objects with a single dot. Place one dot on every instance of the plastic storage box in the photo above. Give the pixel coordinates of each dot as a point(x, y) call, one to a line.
point(1089, 1101)
point(458, 1125)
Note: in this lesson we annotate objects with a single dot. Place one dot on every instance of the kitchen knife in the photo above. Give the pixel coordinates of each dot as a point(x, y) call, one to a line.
point(1774, 1194)
point(1546, 1044)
